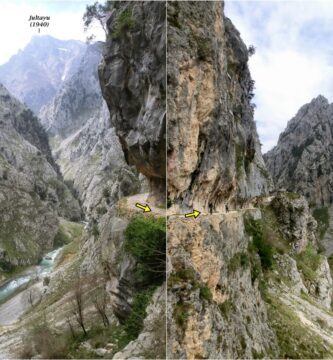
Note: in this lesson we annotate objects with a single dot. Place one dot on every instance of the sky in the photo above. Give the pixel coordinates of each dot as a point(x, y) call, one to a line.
point(293, 62)
point(65, 23)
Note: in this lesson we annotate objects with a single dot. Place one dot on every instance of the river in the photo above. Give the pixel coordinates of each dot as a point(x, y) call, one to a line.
point(40, 270)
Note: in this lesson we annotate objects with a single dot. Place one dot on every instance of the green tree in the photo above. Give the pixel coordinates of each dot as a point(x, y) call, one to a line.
point(96, 12)
point(146, 242)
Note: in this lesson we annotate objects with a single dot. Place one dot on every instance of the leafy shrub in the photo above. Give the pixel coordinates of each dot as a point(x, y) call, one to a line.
point(308, 262)
point(101, 210)
point(205, 293)
point(296, 340)
point(322, 217)
point(187, 275)
point(95, 230)
point(240, 259)
point(145, 240)
point(264, 172)
point(251, 50)
point(61, 238)
point(42, 340)
point(239, 155)
point(181, 314)
point(255, 264)
point(292, 195)
point(226, 308)
point(106, 192)
point(264, 249)
point(99, 336)
point(204, 48)
point(169, 203)
point(46, 281)
point(123, 23)
point(134, 323)
point(234, 263)
point(244, 260)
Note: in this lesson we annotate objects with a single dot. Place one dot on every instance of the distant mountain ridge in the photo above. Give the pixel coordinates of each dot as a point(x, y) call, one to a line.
point(35, 73)
point(302, 161)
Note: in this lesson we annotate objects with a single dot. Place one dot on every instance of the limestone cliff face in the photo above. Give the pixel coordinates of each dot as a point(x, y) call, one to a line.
point(215, 309)
point(241, 280)
point(132, 76)
point(295, 220)
point(93, 161)
point(302, 159)
point(32, 193)
point(214, 155)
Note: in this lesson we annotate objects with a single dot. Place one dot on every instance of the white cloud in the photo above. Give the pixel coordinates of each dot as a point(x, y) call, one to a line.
point(293, 62)
point(65, 23)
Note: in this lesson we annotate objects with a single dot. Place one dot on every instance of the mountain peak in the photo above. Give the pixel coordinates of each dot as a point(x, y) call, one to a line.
point(306, 144)
point(35, 74)
point(320, 99)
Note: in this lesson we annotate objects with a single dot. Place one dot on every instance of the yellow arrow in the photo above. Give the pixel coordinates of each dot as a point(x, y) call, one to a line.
point(144, 208)
point(195, 213)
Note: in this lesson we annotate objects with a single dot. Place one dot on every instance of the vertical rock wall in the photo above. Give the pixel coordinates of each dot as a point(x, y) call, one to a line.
point(214, 155)
point(132, 76)
point(215, 309)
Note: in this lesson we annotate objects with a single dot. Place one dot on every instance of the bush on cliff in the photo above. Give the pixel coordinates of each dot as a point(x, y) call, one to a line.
point(322, 217)
point(264, 249)
point(146, 242)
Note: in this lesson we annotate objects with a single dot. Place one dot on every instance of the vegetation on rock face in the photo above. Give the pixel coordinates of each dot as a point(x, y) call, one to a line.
point(292, 195)
point(251, 50)
point(181, 314)
point(295, 340)
point(272, 230)
point(106, 193)
point(205, 293)
point(322, 217)
point(41, 339)
point(69, 234)
point(183, 275)
point(204, 48)
point(134, 323)
point(173, 17)
point(124, 22)
point(239, 153)
point(308, 262)
point(226, 308)
point(330, 262)
point(68, 231)
point(240, 259)
point(189, 276)
point(101, 210)
point(94, 228)
point(264, 249)
point(146, 242)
